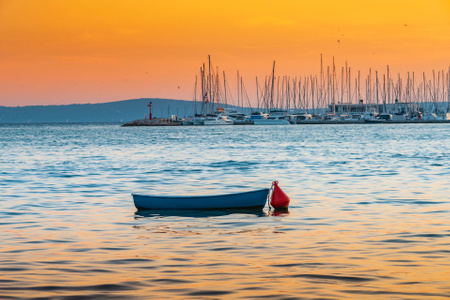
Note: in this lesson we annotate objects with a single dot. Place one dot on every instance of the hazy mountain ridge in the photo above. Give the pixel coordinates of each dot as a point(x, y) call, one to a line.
point(118, 111)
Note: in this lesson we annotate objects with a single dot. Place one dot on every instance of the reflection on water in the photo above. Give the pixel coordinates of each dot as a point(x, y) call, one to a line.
point(199, 213)
point(368, 217)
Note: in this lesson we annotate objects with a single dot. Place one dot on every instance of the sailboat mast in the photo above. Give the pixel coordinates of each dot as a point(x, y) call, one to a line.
point(294, 92)
point(257, 93)
point(408, 90)
point(195, 96)
point(388, 86)
point(434, 87)
point(299, 104)
point(443, 86)
point(424, 90)
point(273, 81)
point(216, 88)
point(321, 82)
point(313, 86)
point(266, 93)
point(448, 90)
point(413, 88)
point(376, 75)
point(225, 90)
point(288, 93)
point(278, 91)
point(370, 86)
point(204, 93)
point(328, 87)
point(359, 85)
point(333, 75)
point(209, 80)
point(349, 87)
point(342, 87)
point(242, 96)
point(317, 99)
point(384, 93)
point(238, 88)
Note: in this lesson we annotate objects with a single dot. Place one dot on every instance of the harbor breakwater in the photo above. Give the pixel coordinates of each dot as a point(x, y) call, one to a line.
point(169, 122)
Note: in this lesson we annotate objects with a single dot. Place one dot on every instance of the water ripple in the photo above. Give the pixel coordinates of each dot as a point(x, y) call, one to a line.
point(368, 215)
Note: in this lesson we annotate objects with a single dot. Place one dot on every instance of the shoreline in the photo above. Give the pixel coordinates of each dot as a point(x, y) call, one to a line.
point(168, 122)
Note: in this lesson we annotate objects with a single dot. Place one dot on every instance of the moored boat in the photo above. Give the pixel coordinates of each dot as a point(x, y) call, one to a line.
point(275, 117)
point(217, 120)
point(256, 115)
point(385, 116)
point(187, 121)
point(399, 116)
point(252, 199)
point(198, 119)
point(300, 117)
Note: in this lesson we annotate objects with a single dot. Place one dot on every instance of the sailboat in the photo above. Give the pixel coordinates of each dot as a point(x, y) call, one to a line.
point(275, 116)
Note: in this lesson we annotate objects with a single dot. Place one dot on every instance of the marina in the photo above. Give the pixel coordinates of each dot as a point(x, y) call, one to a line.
point(329, 98)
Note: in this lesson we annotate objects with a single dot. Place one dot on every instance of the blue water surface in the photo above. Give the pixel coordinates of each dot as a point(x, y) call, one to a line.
point(369, 214)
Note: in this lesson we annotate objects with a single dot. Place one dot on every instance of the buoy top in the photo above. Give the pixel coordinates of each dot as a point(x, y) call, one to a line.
point(279, 198)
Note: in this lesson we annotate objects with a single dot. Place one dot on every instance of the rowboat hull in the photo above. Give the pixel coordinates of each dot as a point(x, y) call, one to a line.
point(253, 199)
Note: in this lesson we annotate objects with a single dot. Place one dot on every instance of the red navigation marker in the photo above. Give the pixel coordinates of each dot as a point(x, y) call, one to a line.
point(279, 198)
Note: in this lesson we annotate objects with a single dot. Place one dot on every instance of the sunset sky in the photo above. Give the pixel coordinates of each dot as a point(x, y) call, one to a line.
point(77, 51)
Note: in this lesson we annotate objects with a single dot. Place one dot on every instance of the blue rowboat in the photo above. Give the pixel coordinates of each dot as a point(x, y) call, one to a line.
point(253, 199)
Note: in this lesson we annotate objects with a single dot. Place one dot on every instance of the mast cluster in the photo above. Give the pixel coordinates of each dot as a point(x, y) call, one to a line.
point(333, 91)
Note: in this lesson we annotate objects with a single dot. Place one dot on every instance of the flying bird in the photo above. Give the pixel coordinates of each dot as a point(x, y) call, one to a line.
point(338, 41)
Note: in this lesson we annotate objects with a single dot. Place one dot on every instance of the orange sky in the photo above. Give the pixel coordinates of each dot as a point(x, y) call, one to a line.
point(77, 51)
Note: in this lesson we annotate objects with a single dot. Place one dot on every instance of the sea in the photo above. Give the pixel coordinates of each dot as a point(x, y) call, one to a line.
point(369, 216)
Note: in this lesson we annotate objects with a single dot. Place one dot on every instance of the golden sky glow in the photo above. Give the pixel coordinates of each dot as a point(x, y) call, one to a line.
point(77, 51)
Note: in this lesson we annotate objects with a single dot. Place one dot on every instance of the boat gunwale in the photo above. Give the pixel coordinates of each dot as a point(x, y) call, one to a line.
point(202, 196)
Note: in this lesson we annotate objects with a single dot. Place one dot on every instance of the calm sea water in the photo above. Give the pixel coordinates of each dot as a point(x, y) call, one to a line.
point(369, 215)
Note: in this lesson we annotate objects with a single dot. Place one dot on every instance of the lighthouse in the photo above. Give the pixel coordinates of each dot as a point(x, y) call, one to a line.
point(150, 114)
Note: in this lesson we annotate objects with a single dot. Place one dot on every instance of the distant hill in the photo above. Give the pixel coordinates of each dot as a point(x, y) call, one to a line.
point(119, 111)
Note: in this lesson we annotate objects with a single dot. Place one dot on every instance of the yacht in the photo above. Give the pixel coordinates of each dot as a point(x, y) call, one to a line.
point(232, 114)
point(443, 116)
point(300, 117)
point(370, 114)
point(188, 121)
point(243, 120)
point(198, 120)
point(399, 116)
point(217, 120)
point(238, 118)
point(275, 117)
point(429, 116)
point(385, 116)
point(256, 115)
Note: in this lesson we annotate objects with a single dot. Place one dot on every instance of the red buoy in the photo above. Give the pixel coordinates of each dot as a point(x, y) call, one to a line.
point(279, 198)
